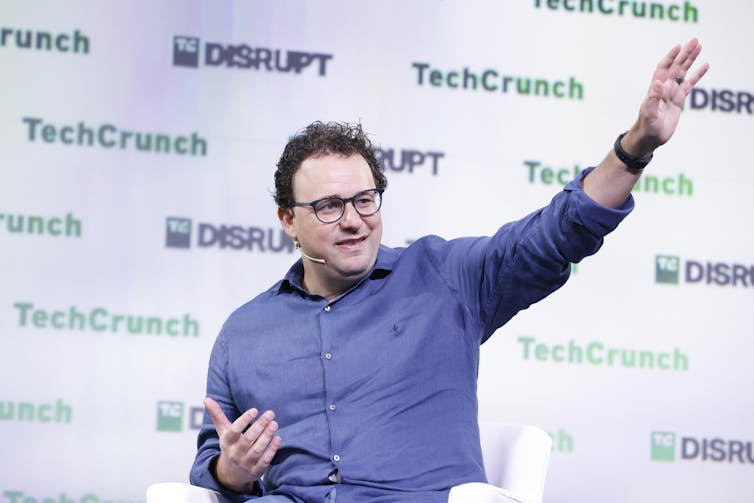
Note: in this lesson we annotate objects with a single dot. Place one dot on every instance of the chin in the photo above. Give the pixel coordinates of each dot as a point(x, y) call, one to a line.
point(352, 270)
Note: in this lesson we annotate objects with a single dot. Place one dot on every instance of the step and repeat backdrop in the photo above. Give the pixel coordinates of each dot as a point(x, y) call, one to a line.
point(137, 146)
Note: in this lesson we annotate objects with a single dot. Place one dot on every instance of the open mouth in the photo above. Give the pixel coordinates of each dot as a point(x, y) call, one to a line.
point(348, 243)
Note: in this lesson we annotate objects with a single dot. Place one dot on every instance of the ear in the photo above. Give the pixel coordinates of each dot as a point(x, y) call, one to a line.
point(285, 215)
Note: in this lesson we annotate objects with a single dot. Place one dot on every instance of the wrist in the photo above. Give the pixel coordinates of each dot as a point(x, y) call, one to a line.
point(630, 153)
point(222, 472)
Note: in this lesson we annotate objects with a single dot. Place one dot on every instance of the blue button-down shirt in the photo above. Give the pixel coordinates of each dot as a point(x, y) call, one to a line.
point(380, 382)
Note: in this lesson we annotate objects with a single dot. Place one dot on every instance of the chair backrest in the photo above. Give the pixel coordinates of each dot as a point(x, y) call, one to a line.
point(516, 457)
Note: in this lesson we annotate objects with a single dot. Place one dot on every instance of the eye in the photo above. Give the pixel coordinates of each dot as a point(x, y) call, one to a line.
point(365, 199)
point(329, 205)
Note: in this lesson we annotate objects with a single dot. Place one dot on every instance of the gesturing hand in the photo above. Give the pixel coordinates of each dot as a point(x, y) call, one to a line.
point(245, 451)
point(671, 83)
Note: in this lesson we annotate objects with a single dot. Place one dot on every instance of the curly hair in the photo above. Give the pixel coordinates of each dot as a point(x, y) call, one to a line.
point(318, 139)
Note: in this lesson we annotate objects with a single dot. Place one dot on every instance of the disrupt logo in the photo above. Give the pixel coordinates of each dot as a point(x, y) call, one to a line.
point(722, 100)
point(668, 270)
point(186, 52)
point(178, 235)
point(408, 159)
point(170, 416)
point(663, 448)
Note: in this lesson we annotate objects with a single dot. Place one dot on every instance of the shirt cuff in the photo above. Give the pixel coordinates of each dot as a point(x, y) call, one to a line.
point(597, 218)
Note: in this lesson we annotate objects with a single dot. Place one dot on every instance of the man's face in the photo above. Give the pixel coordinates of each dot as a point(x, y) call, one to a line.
point(350, 245)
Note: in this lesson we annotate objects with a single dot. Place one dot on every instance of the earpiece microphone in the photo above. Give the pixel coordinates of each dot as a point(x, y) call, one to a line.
point(317, 260)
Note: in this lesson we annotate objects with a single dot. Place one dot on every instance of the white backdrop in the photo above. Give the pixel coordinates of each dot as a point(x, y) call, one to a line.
point(115, 281)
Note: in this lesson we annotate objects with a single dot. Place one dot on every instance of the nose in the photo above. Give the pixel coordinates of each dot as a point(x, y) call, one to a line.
point(351, 217)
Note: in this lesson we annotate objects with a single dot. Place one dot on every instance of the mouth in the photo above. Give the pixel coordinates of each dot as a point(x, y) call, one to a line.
point(350, 243)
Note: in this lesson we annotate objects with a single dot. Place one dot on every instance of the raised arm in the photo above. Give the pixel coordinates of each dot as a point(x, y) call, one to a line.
point(611, 182)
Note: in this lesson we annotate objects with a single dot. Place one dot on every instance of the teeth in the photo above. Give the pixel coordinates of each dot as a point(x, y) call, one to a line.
point(350, 242)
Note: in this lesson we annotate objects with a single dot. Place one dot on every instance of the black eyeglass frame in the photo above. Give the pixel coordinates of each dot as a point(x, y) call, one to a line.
point(344, 201)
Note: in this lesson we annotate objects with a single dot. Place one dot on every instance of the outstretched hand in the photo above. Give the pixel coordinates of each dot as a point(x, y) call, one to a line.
point(611, 183)
point(672, 81)
point(246, 448)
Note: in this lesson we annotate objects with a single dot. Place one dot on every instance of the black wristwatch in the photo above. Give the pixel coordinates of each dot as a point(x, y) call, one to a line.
point(629, 160)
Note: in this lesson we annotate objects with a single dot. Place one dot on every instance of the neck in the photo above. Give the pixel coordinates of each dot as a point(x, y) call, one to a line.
point(327, 289)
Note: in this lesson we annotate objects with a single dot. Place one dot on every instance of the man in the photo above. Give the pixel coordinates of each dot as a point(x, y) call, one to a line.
point(366, 357)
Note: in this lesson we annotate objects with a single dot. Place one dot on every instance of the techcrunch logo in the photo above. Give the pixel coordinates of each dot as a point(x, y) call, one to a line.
point(407, 159)
point(178, 232)
point(186, 53)
point(44, 40)
point(57, 412)
point(677, 12)
point(100, 319)
point(170, 416)
point(67, 226)
point(18, 496)
point(492, 80)
point(668, 271)
point(598, 354)
point(678, 185)
point(110, 136)
point(664, 447)
point(562, 442)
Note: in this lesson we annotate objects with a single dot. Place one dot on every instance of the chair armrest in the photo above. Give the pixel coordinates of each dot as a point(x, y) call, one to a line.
point(516, 458)
point(176, 492)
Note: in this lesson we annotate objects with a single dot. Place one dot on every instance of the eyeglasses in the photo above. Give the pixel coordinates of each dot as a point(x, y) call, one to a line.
point(329, 210)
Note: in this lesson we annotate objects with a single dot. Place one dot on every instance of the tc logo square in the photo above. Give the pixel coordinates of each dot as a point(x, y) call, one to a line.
point(169, 416)
point(185, 51)
point(178, 232)
point(667, 268)
point(663, 446)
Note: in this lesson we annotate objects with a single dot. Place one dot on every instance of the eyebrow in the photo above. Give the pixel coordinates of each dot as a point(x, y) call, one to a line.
point(342, 197)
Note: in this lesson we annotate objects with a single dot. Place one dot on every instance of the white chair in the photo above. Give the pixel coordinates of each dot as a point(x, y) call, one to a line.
point(515, 461)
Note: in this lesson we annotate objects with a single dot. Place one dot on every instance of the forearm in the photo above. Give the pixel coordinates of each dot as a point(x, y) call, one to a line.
point(611, 181)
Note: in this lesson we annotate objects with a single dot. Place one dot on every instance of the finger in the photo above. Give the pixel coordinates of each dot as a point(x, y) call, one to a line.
point(252, 432)
point(696, 76)
point(223, 424)
point(667, 61)
point(258, 446)
point(243, 422)
point(219, 419)
point(266, 458)
point(689, 55)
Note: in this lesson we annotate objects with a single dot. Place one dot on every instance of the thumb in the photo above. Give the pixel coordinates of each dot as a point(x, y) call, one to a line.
point(216, 413)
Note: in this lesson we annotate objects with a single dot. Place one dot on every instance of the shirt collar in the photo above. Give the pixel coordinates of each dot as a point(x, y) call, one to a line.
point(386, 258)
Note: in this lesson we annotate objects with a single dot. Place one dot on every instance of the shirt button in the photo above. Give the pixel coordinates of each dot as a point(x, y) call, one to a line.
point(327, 308)
point(328, 356)
point(336, 457)
point(332, 406)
